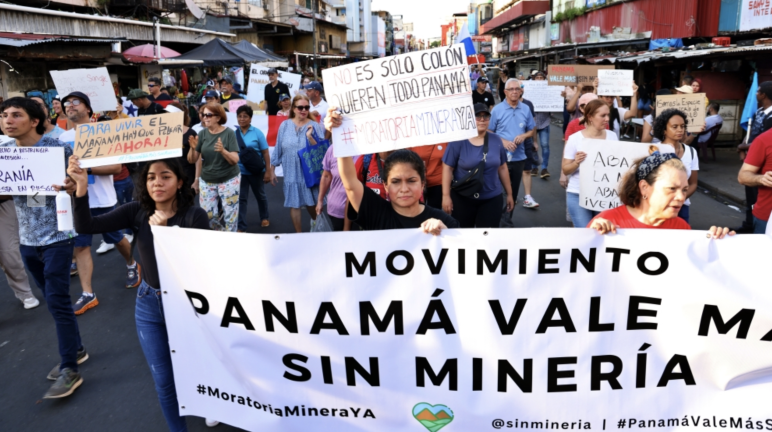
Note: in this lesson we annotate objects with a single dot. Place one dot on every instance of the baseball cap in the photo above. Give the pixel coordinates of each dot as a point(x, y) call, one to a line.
point(283, 96)
point(313, 85)
point(226, 79)
point(480, 107)
point(212, 94)
point(482, 79)
point(587, 98)
point(272, 71)
point(685, 89)
point(137, 94)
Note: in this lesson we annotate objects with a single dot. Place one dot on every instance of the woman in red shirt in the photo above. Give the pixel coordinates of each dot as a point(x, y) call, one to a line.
point(652, 194)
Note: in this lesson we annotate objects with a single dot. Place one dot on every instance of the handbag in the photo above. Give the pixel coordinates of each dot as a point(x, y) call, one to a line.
point(249, 157)
point(311, 158)
point(471, 184)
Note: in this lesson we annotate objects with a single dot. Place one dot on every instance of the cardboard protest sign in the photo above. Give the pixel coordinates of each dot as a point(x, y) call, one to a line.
point(258, 79)
point(545, 98)
point(418, 98)
point(615, 82)
point(94, 83)
point(606, 164)
point(586, 74)
point(31, 170)
point(129, 140)
point(235, 104)
point(561, 75)
point(693, 105)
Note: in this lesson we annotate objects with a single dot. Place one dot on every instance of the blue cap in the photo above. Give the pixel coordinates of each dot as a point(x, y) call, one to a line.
point(212, 94)
point(283, 96)
point(313, 85)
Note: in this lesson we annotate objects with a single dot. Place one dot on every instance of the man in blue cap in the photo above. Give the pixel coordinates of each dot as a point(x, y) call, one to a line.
point(318, 105)
point(272, 92)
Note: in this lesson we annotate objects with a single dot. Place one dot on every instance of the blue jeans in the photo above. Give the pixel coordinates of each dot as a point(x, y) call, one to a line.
point(684, 213)
point(124, 189)
point(50, 267)
point(580, 216)
point(759, 226)
point(151, 329)
point(258, 189)
point(544, 142)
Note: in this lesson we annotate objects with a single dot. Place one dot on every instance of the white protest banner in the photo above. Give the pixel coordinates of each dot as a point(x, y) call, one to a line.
point(544, 97)
point(135, 139)
point(418, 98)
point(605, 166)
point(31, 170)
point(258, 79)
point(615, 82)
point(94, 83)
point(473, 330)
point(693, 105)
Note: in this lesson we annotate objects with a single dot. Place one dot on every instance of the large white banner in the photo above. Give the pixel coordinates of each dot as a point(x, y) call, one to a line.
point(258, 79)
point(418, 98)
point(474, 330)
point(94, 83)
point(755, 14)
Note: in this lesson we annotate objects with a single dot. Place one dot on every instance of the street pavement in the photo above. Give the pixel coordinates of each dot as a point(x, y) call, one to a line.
point(118, 392)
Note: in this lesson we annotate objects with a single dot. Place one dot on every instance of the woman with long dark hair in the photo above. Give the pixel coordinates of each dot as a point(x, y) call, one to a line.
point(163, 200)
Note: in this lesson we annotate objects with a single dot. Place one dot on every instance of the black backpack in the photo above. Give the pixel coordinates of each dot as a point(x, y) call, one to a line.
point(249, 157)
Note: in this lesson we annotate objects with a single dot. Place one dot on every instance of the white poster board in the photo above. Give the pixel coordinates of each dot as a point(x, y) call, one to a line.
point(418, 98)
point(615, 82)
point(606, 164)
point(31, 170)
point(94, 83)
point(755, 15)
point(544, 97)
point(258, 79)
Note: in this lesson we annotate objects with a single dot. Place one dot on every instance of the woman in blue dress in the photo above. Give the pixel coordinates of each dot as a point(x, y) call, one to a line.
point(291, 138)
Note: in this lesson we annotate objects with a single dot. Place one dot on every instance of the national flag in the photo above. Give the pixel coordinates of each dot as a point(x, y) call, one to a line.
point(464, 38)
point(751, 104)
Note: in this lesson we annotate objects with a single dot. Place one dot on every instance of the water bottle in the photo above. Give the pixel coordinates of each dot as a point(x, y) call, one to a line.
point(64, 211)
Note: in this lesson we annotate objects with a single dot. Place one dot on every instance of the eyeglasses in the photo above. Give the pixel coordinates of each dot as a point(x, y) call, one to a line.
point(302, 107)
point(482, 117)
point(74, 102)
point(209, 115)
point(151, 85)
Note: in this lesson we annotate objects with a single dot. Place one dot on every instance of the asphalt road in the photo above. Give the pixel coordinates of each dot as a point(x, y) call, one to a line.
point(118, 393)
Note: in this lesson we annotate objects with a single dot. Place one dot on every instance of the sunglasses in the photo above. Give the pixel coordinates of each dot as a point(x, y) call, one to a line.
point(151, 85)
point(302, 107)
point(74, 102)
point(209, 115)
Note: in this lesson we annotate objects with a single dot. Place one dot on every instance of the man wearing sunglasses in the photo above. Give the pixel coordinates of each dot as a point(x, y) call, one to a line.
point(154, 87)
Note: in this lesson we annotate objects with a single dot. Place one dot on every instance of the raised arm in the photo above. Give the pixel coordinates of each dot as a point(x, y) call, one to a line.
point(346, 169)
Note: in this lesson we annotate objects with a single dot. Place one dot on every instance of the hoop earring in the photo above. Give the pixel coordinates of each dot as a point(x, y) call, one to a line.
point(645, 197)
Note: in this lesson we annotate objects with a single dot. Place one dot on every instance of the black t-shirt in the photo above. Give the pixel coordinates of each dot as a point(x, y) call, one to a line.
point(233, 96)
point(502, 84)
point(486, 98)
point(375, 213)
point(161, 97)
point(189, 168)
point(272, 96)
point(124, 217)
point(153, 109)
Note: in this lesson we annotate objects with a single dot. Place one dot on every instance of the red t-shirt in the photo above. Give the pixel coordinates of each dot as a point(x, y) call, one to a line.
point(374, 180)
point(574, 127)
point(622, 218)
point(123, 174)
point(760, 155)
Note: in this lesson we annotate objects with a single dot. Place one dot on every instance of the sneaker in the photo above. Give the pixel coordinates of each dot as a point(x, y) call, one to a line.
point(534, 172)
point(73, 269)
point(65, 385)
point(129, 237)
point(31, 302)
point(54, 374)
point(544, 173)
point(105, 247)
point(84, 303)
point(211, 423)
point(528, 202)
point(265, 223)
point(133, 277)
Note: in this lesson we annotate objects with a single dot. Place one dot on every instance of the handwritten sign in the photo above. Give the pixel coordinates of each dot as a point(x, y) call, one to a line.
point(693, 105)
point(258, 79)
point(235, 104)
point(129, 140)
point(545, 98)
point(418, 98)
point(31, 170)
point(606, 164)
point(615, 82)
point(94, 83)
point(586, 74)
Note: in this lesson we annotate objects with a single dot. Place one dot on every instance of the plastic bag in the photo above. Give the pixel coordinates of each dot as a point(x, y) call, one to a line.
point(321, 224)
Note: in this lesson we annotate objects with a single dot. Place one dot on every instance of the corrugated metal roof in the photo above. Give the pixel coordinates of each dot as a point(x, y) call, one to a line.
point(22, 40)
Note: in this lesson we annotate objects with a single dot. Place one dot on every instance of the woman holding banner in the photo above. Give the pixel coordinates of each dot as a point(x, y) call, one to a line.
point(670, 128)
point(162, 200)
point(652, 194)
point(220, 175)
point(291, 138)
point(595, 120)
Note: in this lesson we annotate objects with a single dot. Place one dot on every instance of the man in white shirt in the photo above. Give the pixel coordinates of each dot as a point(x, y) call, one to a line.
point(318, 105)
point(713, 119)
point(102, 198)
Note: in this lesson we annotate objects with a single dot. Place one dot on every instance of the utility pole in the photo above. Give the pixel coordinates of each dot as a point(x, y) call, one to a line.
point(314, 4)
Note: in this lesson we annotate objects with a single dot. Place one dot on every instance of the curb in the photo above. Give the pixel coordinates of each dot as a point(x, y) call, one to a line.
point(722, 194)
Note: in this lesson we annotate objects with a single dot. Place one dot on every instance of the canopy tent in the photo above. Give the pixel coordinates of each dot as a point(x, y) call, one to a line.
point(217, 52)
point(269, 59)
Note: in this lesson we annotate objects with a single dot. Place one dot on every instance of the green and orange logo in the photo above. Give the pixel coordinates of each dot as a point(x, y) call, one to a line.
point(432, 417)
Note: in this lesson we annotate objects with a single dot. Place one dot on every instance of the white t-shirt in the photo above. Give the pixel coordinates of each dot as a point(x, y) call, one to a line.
point(101, 193)
point(710, 121)
point(691, 161)
point(321, 108)
point(618, 124)
point(569, 152)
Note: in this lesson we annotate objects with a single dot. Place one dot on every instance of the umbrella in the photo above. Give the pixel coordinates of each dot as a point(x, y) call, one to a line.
point(147, 53)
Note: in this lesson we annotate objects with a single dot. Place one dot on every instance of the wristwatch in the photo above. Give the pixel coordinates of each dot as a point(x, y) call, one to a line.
point(89, 171)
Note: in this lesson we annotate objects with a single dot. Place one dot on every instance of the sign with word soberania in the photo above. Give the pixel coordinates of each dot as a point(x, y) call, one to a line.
point(135, 139)
point(31, 170)
point(615, 82)
point(94, 83)
point(606, 164)
point(418, 98)
point(693, 105)
point(258, 79)
point(545, 98)
point(474, 330)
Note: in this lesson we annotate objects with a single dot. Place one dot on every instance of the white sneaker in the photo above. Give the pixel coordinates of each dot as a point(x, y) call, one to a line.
point(31, 302)
point(528, 202)
point(105, 247)
point(129, 237)
point(211, 423)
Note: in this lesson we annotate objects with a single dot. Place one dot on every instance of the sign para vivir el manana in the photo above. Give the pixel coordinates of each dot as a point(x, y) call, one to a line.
point(135, 139)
